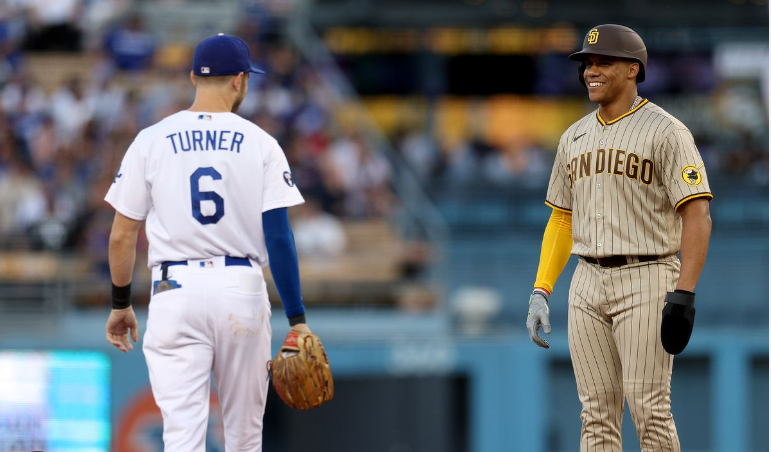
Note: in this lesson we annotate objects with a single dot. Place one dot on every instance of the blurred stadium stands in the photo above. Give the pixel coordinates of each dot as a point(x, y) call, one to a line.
point(422, 133)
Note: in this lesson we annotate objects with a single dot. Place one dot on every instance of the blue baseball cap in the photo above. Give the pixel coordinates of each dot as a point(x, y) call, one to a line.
point(223, 55)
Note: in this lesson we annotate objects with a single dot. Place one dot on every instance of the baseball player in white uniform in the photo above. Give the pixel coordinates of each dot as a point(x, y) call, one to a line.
point(213, 190)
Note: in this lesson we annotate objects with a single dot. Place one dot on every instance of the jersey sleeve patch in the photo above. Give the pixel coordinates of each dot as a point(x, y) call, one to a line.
point(288, 179)
point(691, 174)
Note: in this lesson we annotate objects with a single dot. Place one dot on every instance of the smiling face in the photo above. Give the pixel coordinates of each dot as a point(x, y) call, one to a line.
point(609, 78)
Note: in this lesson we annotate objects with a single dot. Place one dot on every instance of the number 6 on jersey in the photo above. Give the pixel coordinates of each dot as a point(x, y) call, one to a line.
point(196, 196)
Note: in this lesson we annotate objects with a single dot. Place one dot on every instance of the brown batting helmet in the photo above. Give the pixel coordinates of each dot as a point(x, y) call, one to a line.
point(613, 40)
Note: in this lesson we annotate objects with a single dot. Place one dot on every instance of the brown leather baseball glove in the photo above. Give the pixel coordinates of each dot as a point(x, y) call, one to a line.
point(300, 371)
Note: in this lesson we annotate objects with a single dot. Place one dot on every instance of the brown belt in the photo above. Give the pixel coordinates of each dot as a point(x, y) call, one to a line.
point(618, 261)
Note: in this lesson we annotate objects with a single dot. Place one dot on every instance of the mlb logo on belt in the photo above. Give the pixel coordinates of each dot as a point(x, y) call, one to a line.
point(206, 264)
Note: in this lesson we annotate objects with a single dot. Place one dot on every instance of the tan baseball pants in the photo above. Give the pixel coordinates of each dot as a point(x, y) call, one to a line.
point(614, 322)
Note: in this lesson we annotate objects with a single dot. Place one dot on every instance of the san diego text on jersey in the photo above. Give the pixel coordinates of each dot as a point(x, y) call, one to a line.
point(611, 161)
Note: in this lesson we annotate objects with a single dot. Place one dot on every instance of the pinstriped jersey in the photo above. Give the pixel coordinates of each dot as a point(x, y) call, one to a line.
point(623, 181)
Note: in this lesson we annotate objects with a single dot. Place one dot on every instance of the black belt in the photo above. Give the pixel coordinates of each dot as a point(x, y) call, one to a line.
point(618, 261)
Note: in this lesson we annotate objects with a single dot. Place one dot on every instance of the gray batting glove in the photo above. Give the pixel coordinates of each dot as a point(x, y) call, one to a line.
point(538, 315)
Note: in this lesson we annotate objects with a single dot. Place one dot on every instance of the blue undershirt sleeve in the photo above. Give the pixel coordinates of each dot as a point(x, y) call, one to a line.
point(283, 261)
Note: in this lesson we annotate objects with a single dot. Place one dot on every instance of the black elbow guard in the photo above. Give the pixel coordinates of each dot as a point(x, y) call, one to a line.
point(677, 320)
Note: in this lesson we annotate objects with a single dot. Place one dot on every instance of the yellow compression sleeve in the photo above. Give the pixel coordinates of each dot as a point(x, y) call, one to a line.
point(555, 249)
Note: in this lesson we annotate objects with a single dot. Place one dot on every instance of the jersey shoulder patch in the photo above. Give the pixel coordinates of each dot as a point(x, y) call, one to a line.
point(692, 174)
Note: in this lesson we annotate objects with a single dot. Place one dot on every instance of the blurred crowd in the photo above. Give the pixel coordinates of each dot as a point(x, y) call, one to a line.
point(60, 147)
point(475, 162)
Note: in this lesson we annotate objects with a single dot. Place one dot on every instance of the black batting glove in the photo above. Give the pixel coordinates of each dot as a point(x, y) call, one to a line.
point(677, 320)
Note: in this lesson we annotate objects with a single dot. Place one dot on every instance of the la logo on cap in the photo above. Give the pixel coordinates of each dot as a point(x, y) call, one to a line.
point(204, 70)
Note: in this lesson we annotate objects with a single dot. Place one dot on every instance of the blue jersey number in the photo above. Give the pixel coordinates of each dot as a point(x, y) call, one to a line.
point(196, 195)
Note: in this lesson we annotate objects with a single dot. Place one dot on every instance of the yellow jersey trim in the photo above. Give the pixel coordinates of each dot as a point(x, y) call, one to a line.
point(599, 118)
point(561, 209)
point(698, 195)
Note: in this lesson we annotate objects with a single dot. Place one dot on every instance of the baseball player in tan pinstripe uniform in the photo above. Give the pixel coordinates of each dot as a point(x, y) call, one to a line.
point(628, 191)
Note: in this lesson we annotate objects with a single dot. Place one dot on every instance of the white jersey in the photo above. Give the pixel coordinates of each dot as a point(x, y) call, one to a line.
point(202, 181)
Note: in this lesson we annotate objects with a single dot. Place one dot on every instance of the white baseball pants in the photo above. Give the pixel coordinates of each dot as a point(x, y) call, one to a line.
point(217, 322)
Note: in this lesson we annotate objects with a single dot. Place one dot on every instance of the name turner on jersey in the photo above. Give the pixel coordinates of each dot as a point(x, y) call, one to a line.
point(209, 140)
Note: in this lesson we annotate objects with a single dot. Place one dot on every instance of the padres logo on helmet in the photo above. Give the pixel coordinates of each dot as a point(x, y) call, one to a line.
point(691, 174)
point(617, 41)
point(593, 37)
